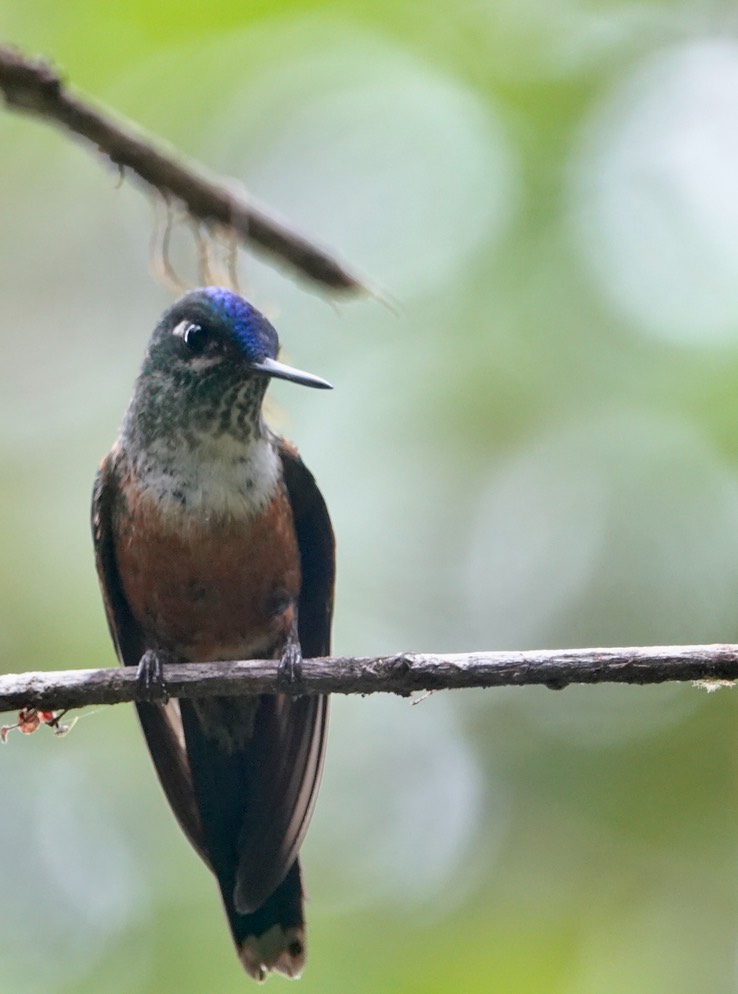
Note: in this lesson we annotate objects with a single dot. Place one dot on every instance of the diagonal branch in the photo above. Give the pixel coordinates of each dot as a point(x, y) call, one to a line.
point(33, 87)
point(400, 674)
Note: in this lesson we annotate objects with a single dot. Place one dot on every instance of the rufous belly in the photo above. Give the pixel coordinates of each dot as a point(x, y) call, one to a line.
point(207, 589)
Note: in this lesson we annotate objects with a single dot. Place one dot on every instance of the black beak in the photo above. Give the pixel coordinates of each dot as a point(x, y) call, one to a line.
point(270, 367)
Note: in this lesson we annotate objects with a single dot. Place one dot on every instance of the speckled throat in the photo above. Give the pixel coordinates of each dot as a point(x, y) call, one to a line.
point(195, 438)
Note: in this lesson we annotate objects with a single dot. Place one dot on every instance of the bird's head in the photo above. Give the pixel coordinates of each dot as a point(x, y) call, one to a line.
point(214, 327)
point(207, 366)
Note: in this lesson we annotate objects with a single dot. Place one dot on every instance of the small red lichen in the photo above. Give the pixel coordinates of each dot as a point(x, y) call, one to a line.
point(30, 719)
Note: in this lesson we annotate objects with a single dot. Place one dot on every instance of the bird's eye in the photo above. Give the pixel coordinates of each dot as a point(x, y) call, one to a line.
point(195, 336)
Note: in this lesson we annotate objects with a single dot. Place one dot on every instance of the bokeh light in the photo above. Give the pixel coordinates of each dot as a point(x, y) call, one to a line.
point(656, 192)
point(536, 445)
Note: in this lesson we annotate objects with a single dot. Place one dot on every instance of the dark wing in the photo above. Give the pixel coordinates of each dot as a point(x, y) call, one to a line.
point(161, 724)
point(317, 554)
point(288, 747)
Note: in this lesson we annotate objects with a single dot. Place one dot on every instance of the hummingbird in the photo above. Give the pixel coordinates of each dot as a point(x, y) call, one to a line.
point(213, 542)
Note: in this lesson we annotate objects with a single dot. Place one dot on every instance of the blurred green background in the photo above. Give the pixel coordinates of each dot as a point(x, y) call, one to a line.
point(539, 450)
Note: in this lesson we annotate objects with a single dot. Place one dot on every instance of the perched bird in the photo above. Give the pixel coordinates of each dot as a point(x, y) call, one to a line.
point(212, 541)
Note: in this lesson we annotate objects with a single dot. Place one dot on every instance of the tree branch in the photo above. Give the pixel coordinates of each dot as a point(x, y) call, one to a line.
point(399, 674)
point(34, 87)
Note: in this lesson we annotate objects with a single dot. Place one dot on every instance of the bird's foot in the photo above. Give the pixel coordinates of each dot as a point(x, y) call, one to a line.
point(150, 676)
point(289, 672)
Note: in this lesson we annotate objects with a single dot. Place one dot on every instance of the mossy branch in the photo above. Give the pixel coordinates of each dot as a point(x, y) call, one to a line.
point(34, 87)
point(403, 673)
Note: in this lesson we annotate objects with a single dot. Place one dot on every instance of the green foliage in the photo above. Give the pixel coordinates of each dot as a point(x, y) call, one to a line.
point(540, 449)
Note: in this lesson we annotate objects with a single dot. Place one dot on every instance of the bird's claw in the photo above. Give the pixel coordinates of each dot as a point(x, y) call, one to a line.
point(150, 677)
point(289, 671)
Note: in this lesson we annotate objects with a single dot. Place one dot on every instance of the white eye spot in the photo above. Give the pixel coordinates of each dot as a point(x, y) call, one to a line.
point(195, 336)
point(184, 329)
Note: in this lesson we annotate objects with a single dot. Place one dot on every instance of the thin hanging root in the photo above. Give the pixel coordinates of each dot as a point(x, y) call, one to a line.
point(205, 274)
point(225, 252)
point(160, 264)
point(217, 248)
point(230, 239)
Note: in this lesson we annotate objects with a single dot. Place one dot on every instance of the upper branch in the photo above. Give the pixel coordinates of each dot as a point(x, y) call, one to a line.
point(400, 674)
point(35, 88)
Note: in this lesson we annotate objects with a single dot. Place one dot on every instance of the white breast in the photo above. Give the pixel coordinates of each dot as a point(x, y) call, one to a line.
point(221, 477)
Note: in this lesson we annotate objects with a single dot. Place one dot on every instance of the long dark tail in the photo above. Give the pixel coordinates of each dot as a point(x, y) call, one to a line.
point(239, 752)
point(273, 936)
